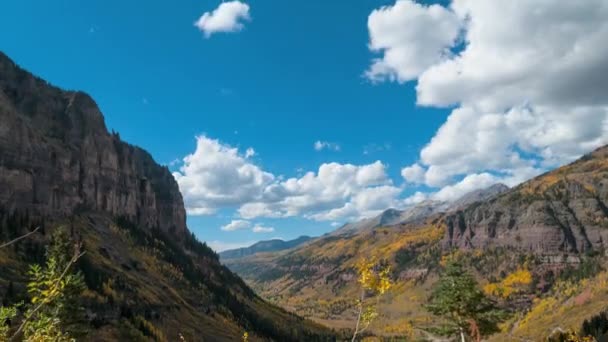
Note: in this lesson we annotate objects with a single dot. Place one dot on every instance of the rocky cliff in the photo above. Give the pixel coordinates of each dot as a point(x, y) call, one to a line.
point(148, 277)
point(57, 158)
point(561, 211)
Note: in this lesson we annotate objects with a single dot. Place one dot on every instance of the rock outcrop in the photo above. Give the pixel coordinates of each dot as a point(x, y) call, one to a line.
point(57, 158)
point(562, 211)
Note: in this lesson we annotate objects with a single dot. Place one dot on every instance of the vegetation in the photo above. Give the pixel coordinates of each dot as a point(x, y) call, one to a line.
point(53, 313)
point(510, 285)
point(374, 279)
point(467, 311)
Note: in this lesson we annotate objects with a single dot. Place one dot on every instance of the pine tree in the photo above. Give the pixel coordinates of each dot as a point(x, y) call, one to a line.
point(468, 312)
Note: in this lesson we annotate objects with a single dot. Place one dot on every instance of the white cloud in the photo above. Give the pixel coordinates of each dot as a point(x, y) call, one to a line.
point(336, 191)
point(413, 174)
point(250, 152)
point(217, 176)
point(411, 37)
point(326, 145)
point(236, 225)
point(416, 198)
point(469, 183)
point(535, 51)
point(527, 82)
point(262, 229)
point(228, 17)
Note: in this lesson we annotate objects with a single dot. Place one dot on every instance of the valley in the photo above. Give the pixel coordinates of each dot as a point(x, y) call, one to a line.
point(549, 226)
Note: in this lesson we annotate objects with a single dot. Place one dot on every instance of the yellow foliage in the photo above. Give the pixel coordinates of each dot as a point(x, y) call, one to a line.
point(402, 328)
point(373, 278)
point(511, 284)
point(573, 337)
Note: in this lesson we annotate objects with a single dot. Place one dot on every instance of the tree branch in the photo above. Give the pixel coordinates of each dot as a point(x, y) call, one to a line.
point(20, 238)
point(42, 303)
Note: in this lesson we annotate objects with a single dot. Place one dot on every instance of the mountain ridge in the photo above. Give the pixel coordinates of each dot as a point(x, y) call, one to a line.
point(273, 245)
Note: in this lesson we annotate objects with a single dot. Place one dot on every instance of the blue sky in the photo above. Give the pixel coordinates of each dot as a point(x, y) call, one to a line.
point(294, 75)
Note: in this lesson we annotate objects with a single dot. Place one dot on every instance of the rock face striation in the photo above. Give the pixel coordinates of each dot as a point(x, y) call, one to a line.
point(564, 210)
point(57, 158)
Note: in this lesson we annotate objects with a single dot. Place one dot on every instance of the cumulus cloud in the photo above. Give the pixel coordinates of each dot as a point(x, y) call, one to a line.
point(228, 17)
point(236, 225)
point(413, 174)
point(469, 183)
point(262, 229)
point(416, 198)
point(526, 78)
point(217, 175)
point(326, 145)
point(411, 37)
point(336, 191)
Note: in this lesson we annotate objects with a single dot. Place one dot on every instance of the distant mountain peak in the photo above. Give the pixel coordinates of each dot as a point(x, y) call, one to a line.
point(479, 196)
point(272, 245)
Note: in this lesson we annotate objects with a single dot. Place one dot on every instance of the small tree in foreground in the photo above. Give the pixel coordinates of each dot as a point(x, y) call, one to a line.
point(375, 281)
point(53, 310)
point(468, 312)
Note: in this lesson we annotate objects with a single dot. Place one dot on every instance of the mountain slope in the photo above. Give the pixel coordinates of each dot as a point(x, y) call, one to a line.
point(564, 210)
point(391, 217)
point(478, 196)
point(274, 245)
point(548, 225)
point(148, 277)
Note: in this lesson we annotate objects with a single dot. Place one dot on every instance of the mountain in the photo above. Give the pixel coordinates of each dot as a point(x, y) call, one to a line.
point(391, 217)
point(273, 245)
point(554, 226)
point(148, 277)
point(420, 211)
point(562, 211)
point(478, 196)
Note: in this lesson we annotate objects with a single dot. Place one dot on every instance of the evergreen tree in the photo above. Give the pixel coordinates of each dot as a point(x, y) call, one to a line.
point(468, 312)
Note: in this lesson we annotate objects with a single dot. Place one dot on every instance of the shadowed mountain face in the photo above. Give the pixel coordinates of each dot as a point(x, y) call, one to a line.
point(148, 277)
point(274, 245)
point(58, 158)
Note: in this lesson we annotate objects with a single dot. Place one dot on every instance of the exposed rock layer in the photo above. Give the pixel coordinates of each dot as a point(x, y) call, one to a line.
point(562, 211)
point(57, 158)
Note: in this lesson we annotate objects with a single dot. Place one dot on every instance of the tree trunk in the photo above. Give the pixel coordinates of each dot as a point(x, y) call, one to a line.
point(462, 336)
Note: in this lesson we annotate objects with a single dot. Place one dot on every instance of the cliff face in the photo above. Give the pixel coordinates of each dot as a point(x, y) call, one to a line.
point(57, 158)
point(562, 211)
point(59, 166)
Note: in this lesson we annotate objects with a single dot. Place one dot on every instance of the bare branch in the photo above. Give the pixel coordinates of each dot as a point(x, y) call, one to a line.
point(20, 238)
